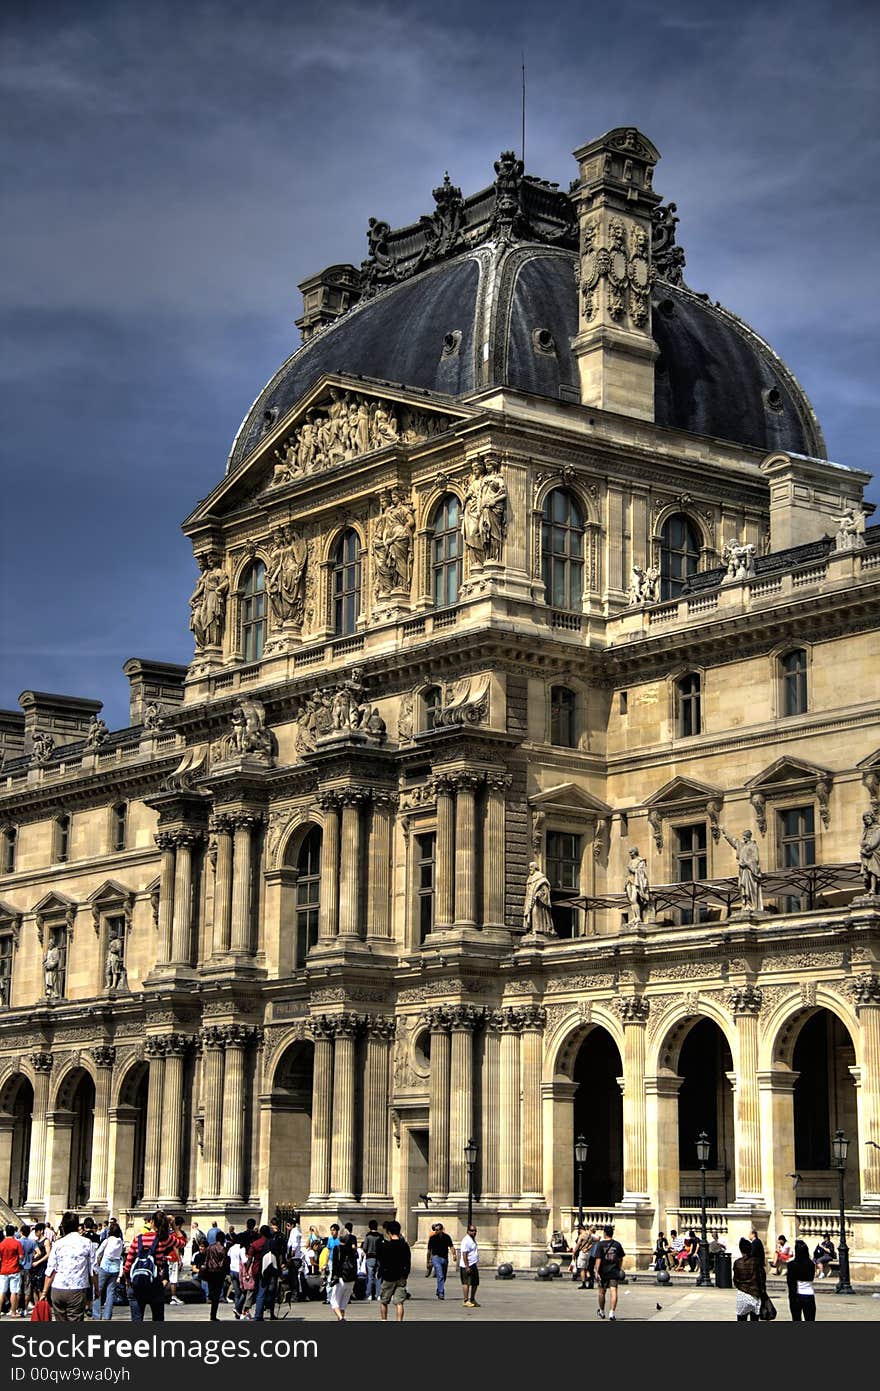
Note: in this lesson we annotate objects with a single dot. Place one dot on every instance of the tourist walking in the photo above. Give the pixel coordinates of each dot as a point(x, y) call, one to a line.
point(39, 1261)
point(395, 1261)
point(71, 1272)
point(799, 1274)
point(371, 1245)
point(343, 1273)
point(146, 1267)
point(469, 1268)
point(214, 1272)
point(749, 1283)
point(440, 1247)
point(11, 1259)
point(236, 1255)
point(608, 1268)
point(580, 1257)
point(108, 1259)
point(263, 1265)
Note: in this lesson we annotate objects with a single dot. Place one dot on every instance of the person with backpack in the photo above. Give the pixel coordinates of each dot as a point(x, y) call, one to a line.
point(146, 1267)
point(263, 1266)
point(608, 1267)
point(342, 1274)
point(214, 1272)
point(109, 1259)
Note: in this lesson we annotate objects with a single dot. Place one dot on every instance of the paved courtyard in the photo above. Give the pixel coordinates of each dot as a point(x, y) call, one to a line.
point(528, 1299)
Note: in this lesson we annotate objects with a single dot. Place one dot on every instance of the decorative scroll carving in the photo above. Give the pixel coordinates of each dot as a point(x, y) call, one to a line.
point(41, 1062)
point(464, 702)
point(42, 749)
point(759, 807)
point(655, 821)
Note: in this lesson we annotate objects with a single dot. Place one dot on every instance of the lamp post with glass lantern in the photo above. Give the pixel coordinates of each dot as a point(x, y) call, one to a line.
point(703, 1160)
point(839, 1147)
point(470, 1158)
point(580, 1158)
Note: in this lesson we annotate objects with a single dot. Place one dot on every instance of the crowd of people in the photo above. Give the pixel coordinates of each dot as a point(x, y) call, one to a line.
point(84, 1271)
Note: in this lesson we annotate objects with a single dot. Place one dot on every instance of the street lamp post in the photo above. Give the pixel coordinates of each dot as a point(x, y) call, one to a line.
point(703, 1160)
point(470, 1157)
point(580, 1158)
point(839, 1147)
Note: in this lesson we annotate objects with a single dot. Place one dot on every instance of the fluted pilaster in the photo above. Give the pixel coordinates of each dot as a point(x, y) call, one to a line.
point(238, 1038)
point(42, 1065)
point(154, 1051)
point(322, 1032)
point(221, 828)
point(380, 1034)
point(466, 785)
point(745, 1004)
point(350, 871)
point(328, 910)
point(379, 905)
point(866, 997)
point(103, 1058)
point(213, 1043)
point(494, 843)
point(463, 1019)
point(438, 1104)
point(445, 870)
point(489, 1108)
point(634, 1011)
point(533, 1018)
point(181, 931)
point(509, 1105)
point(342, 1156)
point(246, 824)
point(171, 1159)
point(166, 843)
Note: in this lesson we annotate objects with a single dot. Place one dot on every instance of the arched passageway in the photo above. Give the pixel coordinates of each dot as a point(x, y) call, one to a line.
point(287, 1113)
point(824, 1100)
point(82, 1106)
point(16, 1120)
point(598, 1116)
point(705, 1104)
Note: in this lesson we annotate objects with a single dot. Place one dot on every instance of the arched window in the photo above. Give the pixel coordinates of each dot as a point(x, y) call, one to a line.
point(562, 717)
point(562, 550)
point(446, 552)
point(679, 554)
point(253, 612)
point(689, 691)
point(308, 893)
point(794, 682)
point(346, 583)
point(118, 826)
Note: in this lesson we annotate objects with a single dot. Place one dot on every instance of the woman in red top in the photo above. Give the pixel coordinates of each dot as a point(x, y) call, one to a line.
point(163, 1245)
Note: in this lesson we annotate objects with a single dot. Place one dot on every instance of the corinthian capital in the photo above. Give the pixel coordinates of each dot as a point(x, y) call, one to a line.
point(633, 1009)
point(221, 824)
point(41, 1062)
point(438, 1019)
point(534, 1017)
point(746, 1000)
point(466, 1017)
point(865, 991)
point(213, 1036)
point(103, 1056)
point(466, 779)
point(381, 1026)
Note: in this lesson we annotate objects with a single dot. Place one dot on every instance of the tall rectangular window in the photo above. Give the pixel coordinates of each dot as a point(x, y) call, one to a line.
point(308, 894)
point(797, 847)
point(794, 682)
point(562, 717)
point(5, 968)
point(564, 851)
point(691, 863)
point(62, 839)
point(118, 826)
point(7, 850)
point(425, 868)
point(689, 705)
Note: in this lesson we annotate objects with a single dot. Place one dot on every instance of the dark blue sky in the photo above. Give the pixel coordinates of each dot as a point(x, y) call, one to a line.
point(172, 170)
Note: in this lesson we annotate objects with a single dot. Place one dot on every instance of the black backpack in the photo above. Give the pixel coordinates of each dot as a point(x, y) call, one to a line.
point(348, 1263)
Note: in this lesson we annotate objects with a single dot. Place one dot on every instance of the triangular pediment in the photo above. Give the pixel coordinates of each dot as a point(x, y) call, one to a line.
point(337, 422)
point(872, 761)
point(8, 913)
point(568, 797)
point(681, 791)
point(54, 903)
point(787, 770)
point(111, 891)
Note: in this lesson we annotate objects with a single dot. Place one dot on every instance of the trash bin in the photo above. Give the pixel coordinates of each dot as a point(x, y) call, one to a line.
point(723, 1271)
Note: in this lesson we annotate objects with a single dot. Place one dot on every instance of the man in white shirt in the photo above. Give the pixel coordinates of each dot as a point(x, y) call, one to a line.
point(71, 1272)
point(468, 1268)
point(237, 1256)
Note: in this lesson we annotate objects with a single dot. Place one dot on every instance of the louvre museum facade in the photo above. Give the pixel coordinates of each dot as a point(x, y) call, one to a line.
point(523, 785)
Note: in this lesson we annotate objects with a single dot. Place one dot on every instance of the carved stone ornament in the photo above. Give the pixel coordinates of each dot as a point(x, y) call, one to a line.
point(869, 853)
point(484, 514)
point(747, 999)
point(41, 1062)
point(208, 602)
point(286, 579)
point(154, 719)
point(392, 544)
point(465, 702)
point(655, 821)
point(346, 426)
point(668, 259)
point(850, 534)
point(633, 1009)
point(644, 585)
point(42, 749)
point(337, 711)
point(97, 733)
point(103, 1056)
point(739, 557)
point(250, 737)
point(759, 807)
point(865, 990)
point(624, 265)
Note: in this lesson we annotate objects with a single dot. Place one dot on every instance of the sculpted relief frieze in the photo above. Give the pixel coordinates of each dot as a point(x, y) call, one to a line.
point(345, 427)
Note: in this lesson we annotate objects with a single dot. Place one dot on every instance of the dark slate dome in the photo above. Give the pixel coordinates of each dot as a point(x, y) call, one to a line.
point(505, 315)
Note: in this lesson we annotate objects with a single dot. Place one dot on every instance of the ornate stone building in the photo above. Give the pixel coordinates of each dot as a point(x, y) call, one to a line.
point(516, 789)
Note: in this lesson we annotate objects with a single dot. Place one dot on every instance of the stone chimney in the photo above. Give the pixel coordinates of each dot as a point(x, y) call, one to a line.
point(614, 197)
point(807, 496)
point(153, 683)
point(327, 296)
point(66, 718)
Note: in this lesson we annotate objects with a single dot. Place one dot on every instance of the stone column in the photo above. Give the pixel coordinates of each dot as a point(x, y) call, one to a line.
point(221, 828)
point(866, 996)
point(342, 1158)
point(661, 1102)
point(181, 932)
point(350, 868)
point(374, 1131)
point(166, 843)
point(328, 909)
point(154, 1052)
point(171, 1158)
point(242, 880)
point(237, 1037)
point(445, 870)
point(379, 900)
point(509, 1105)
point(103, 1058)
point(463, 1019)
point(466, 850)
point(322, 1030)
point(36, 1189)
point(534, 1017)
point(745, 1004)
point(213, 1044)
point(438, 1104)
point(634, 1012)
point(489, 1099)
point(493, 849)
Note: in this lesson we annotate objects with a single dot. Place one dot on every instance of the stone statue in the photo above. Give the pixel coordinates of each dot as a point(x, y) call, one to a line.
point(97, 733)
point(114, 967)
point(285, 577)
point(644, 585)
point(43, 748)
point(484, 516)
point(153, 719)
point(869, 853)
point(249, 732)
point(850, 530)
point(749, 864)
point(740, 560)
point(393, 542)
point(637, 889)
point(537, 917)
point(652, 584)
point(52, 972)
point(208, 602)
